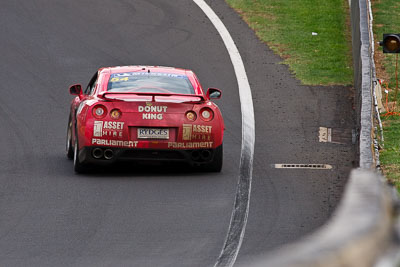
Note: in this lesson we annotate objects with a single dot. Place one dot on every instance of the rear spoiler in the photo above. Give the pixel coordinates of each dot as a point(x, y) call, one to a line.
point(153, 95)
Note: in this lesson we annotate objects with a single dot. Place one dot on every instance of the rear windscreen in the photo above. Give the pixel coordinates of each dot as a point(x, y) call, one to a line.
point(149, 82)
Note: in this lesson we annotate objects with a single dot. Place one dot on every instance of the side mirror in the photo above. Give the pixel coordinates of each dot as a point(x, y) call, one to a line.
point(75, 89)
point(214, 93)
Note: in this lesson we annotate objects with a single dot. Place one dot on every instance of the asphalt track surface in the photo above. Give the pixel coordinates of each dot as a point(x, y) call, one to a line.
point(153, 215)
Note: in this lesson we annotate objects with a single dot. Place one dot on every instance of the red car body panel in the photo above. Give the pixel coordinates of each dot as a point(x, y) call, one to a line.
point(145, 113)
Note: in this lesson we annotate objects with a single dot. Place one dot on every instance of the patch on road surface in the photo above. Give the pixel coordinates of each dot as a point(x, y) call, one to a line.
point(336, 135)
point(304, 166)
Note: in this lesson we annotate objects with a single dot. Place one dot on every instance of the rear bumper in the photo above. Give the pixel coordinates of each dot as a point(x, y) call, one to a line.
point(108, 155)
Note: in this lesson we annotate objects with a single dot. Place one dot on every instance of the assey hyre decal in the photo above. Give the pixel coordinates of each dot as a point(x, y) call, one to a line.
point(108, 128)
point(150, 112)
point(196, 132)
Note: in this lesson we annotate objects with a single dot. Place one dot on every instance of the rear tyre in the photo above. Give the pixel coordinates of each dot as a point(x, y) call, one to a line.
point(79, 167)
point(69, 148)
point(216, 164)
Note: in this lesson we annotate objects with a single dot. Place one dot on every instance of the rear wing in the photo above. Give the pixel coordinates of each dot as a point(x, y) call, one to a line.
point(153, 95)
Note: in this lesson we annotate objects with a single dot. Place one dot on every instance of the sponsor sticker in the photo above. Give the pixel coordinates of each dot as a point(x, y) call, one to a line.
point(149, 108)
point(196, 132)
point(153, 74)
point(108, 128)
point(153, 133)
point(114, 125)
point(152, 116)
point(98, 129)
point(202, 129)
point(190, 145)
point(116, 143)
point(150, 112)
point(187, 132)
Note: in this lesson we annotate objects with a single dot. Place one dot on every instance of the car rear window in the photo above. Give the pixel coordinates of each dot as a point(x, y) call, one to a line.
point(149, 82)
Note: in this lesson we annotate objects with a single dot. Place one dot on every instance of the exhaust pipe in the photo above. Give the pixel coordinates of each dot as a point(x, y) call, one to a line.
point(205, 154)
point(97, 153)
point(196, 155)
point(108, 154)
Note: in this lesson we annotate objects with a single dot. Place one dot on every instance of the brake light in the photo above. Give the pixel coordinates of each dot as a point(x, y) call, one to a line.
point(191, 115)
point(115, 114)
point(99, 111)
point(206, 114)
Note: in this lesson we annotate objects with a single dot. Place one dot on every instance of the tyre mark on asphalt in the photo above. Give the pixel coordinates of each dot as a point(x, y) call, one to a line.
point(168, 23)
point(240, 211)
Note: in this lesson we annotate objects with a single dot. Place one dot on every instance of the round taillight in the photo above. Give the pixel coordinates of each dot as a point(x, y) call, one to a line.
point(99, 111)
point(206, 114)
point(115, 114)
point(191, 115)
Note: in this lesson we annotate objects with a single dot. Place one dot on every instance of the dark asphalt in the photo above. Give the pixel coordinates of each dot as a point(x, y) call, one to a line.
point(152, 215)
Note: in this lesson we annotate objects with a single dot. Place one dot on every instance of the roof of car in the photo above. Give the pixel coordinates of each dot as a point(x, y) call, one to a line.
point(172, 70)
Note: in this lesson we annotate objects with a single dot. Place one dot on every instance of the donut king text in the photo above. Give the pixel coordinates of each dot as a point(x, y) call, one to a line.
point(152, 112)
point(190, 145)
point(117, 143)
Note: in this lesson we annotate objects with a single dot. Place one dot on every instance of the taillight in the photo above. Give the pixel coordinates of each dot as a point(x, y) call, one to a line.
point(115, 114)
point(206, 114)
point(191, 115)
point(99, 111)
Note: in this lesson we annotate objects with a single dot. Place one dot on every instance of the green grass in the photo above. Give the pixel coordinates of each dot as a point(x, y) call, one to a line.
point(287, 26)
point(386, 20)
point(390, 155)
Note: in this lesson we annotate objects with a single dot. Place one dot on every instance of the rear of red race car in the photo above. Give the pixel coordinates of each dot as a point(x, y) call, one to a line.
point(152, 123)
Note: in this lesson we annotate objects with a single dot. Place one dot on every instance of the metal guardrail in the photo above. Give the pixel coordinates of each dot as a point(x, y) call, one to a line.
point(359, 232)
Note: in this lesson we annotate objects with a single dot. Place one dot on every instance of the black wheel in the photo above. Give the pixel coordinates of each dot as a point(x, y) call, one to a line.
point(69, 148)
point(79, 167)
point(216, 164)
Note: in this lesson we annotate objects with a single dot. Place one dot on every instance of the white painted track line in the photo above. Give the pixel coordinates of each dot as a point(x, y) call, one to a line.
point(241, 208)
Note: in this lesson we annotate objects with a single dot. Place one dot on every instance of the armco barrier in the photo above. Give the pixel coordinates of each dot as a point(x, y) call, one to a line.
point(362, 230)
point(362, 80)
point(358, 233)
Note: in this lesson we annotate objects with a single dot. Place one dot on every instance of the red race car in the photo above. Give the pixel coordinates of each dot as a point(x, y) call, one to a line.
point(145, 113)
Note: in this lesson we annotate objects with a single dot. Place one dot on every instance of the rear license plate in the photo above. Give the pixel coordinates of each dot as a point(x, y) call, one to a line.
point(153, 133)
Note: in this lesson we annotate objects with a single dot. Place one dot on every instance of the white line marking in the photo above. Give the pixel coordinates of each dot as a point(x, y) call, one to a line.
point(231, 249)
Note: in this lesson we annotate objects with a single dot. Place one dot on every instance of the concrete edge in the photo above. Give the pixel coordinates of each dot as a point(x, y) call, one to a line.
point(359, 231)
point(366, 116)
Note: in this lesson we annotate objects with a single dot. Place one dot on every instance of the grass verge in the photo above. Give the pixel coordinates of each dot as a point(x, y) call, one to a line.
point(389, 156)
point(387, 20)
point(287, 27)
